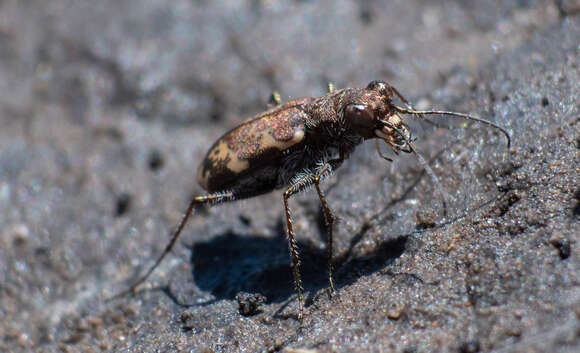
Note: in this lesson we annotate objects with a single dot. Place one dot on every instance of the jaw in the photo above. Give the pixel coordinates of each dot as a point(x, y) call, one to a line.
point(388, 140)
point(395, 133)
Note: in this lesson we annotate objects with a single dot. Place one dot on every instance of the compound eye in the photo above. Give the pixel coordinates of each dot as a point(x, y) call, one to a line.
point(358, 112)
point(360, 116)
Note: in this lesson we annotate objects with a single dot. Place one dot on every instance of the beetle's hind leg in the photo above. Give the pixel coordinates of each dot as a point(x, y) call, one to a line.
point(194, 204)
point(298, 184)
point(328, 217)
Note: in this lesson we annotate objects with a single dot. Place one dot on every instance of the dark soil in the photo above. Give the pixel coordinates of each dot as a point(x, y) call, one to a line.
point(108, 107)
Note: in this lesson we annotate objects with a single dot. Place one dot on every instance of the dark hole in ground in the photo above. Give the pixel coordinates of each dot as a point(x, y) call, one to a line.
point(470, 347)
point(247, 221)
point(122, 204)
point(155, 160)
point(576, 210)
point(545, 102)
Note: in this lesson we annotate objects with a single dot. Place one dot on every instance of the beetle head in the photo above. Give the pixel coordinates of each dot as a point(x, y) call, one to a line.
point(372, 114)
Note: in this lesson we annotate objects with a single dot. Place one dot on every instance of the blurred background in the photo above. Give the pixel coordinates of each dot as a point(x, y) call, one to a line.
point(107, 108)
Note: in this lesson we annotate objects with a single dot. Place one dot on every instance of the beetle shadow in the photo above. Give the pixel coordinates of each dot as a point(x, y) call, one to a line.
point(231, 263)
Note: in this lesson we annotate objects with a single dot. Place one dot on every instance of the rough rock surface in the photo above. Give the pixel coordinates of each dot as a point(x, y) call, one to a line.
point(107, 108)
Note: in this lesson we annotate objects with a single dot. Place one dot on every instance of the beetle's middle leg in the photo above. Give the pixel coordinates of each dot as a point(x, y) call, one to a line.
point(298, 184)
point(328, 217)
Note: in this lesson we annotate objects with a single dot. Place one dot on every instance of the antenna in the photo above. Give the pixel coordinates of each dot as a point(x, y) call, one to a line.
point(460, 115)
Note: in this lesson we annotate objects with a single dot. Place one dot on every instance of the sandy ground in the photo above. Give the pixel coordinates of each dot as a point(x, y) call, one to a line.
point(108, 107)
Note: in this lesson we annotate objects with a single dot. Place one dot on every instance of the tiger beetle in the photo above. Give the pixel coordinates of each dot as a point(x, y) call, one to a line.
point(296, 145)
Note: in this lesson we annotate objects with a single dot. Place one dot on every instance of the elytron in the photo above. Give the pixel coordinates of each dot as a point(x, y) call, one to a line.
point(296, 145)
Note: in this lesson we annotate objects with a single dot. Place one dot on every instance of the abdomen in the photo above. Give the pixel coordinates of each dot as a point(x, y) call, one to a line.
point(248, 158)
